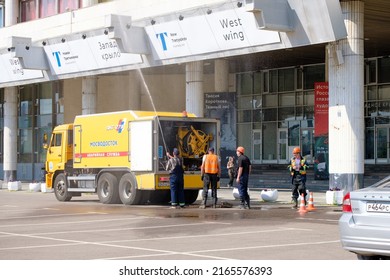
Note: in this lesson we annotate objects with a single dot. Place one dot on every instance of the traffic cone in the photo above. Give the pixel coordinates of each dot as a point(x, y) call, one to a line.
point(311, 207)
point(302, 206)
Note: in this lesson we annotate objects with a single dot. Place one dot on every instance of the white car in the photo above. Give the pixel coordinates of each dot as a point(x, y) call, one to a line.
point(365, 222)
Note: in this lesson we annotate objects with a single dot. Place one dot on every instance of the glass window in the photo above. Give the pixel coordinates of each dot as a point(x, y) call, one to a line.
point(47, 8)
point(257, 85)
point(299, 78)
point(369, 139)
point(299, 96)
point(286, 79)
point(26, 107)
point(270, 115)
point(270, 100)
point(25, 145)
point(286, 113)
point(384, 92)
point(370, 122)
point(293, 133)
point(44, 100)
point(308, 98)
point(313, 74)
point(383, 106)
point(28, 10)
point(245, 84)
point(244, 116)
point(245, 102)
point(370, 72)
point(384, 70)
point(308, 112)
point(1, 16)
point(265, 81)
point(68, 5)
point(244, 132)
point(257, 102)
point(257, 115)
point(370, 109)
point(270, 140)
point(287, 99)
point(56, 140)
point(371, 93)
point(273, 81)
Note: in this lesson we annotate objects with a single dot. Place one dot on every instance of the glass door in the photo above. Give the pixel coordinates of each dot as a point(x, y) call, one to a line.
point(282, 146)
point(307, 144)
point(382, 144)
point(256, 142)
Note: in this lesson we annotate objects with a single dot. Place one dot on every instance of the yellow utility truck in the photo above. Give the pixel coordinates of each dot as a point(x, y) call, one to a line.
point(121, 156)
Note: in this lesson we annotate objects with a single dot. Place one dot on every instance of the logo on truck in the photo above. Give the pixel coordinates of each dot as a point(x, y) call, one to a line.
point(117, 127)
point(121, 125)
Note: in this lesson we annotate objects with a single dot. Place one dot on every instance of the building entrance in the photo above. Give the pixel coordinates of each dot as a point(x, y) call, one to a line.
point(382, 144)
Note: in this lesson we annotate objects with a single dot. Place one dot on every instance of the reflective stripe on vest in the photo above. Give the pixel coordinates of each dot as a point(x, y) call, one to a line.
point(302, 169)
point(211, 164)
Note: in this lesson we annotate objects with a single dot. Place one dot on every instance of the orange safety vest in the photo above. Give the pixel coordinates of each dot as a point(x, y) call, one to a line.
point(211, 164)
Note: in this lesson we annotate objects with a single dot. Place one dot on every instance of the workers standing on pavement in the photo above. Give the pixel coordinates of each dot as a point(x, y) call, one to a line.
point(297, 170)
point(231, 167)
point(210, 174)
point(244, 169)
point(176, 179)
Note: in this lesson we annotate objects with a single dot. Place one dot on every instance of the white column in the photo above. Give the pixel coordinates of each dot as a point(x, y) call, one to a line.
point(194, 88)
point(89, 92)
point(346, 102)
point(10, 133)
point(10, 108)
point(221, 74)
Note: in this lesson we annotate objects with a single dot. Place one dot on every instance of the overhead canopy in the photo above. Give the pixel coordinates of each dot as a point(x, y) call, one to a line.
point(112, 43)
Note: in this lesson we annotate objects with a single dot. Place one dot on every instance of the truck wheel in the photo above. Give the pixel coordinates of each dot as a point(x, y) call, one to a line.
point(128, 192)
point(61, 189)
point(107, 189)
point(191, 196)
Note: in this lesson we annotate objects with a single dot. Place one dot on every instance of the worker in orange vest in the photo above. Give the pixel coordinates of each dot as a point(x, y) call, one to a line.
point(210, 172)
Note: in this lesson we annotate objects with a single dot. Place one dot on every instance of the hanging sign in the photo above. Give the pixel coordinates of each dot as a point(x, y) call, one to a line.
point(97, 52)
point(218, 31)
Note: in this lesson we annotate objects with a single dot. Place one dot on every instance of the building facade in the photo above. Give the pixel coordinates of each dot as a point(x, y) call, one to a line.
point(272, 75)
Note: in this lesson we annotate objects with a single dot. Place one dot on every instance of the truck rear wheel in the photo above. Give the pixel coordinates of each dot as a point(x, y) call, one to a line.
point(61, 188)
point(191, 196)
point(107, 189)
point(128, 192)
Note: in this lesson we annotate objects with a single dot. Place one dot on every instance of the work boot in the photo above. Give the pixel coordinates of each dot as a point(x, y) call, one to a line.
point(203, 204)
point(248, 203)
point(295, 203)
point(215, 202)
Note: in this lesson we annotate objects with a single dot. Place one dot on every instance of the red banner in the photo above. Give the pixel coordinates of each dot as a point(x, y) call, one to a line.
point(321, 108)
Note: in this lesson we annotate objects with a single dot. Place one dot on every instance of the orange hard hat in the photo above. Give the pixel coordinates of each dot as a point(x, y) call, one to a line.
point(296, 150)
point(241, 150)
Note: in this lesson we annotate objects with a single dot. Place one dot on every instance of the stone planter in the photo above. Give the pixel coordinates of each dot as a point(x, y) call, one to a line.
point(15, 186)
point(334, 197)
point(34, 187)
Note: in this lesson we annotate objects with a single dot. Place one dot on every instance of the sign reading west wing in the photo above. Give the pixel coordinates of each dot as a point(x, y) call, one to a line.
point(219, 31)
point(11, 70)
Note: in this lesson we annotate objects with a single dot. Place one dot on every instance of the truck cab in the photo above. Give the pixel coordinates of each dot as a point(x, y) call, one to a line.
point(59, 152)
